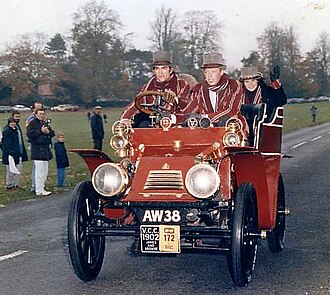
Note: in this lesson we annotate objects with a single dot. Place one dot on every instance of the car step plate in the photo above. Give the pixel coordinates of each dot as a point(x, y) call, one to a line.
point(160, 238)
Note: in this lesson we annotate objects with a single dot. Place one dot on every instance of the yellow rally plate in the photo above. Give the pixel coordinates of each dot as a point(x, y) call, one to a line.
point(169, 238)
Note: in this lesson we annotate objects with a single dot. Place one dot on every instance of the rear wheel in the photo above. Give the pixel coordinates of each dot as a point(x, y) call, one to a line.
point(243, 247)
point(86, 252)
point(275, 238)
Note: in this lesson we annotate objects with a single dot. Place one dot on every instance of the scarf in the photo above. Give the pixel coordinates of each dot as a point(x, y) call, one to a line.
point(253, 97)
point(219, 88)
point(170, 84)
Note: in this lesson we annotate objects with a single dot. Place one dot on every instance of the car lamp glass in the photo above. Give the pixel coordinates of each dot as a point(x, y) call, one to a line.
point(109, 179)
point(118, 142)
point(231, 139)
point(204, 122)
point(202, 181)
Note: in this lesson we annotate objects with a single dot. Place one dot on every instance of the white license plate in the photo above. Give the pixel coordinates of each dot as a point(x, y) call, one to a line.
point(160, 238)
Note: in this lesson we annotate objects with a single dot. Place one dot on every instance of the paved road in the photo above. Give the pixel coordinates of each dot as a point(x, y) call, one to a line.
point(38, 227)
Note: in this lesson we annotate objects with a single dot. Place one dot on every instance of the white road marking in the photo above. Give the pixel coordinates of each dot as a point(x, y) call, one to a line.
point(316, 138)
point(299, 144)
point(12, 255)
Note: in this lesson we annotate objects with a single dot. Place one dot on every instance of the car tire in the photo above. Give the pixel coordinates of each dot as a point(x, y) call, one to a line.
point(276, 237)
point(244, 228)
point(86, 252)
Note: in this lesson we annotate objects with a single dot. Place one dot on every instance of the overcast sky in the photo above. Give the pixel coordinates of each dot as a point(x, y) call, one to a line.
point(243, 20)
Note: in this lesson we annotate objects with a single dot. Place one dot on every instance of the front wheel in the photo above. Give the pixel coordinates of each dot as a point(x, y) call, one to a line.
point(86, 252)
point(243, 246)
point(275, 238)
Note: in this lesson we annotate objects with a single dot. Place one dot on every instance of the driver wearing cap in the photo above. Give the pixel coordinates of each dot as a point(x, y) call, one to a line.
point(165, 80)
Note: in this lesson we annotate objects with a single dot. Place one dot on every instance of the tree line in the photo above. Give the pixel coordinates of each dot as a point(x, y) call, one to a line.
point(97, 62)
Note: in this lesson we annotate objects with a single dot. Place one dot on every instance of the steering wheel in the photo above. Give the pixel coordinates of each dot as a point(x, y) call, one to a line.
point(150, 108)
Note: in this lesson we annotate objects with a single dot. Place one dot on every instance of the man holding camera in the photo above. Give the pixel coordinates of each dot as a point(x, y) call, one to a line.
point(40, 133)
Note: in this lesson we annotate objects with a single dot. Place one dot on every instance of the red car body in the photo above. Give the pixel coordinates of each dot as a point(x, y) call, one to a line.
point(155, 166)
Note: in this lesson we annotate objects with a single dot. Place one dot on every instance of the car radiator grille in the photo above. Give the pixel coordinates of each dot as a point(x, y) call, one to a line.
point(164, 180)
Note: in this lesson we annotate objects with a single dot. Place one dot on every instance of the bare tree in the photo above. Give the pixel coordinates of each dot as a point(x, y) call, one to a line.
point(280, 46)
point(291, 49)
point(271, 45)
point(201, 33)
point(323, 45)
point(164, 29)
point(322, 55)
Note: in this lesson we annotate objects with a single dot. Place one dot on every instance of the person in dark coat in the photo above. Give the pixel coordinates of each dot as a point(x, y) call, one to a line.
point(37, 105)
point(313, 111)
point(257, 91)
point(23, 154)
point(17, 117)
point(97, 128)
point(40, 134)
point(61, 156)
point(10, 147)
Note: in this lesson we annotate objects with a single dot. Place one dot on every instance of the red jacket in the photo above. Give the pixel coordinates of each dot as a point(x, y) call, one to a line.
point(179, 86)
point(229, 98)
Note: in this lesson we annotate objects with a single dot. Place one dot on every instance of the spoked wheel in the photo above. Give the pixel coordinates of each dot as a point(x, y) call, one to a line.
point(86, 252)
point(243, 247)
point(275, 238)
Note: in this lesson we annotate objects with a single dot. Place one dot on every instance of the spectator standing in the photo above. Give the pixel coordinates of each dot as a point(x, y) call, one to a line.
point(313, 111)
point(88, 116)
point(97, 128)
point(23, 154)
point(62, 160)
point(105, 118)
point(36, 106)
point(10, 149)
point(40, 135)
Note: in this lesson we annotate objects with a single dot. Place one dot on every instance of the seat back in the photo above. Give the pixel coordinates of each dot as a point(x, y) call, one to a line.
point(254, 114)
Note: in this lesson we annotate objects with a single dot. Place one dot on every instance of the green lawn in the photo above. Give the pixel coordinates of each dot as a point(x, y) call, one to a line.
point(297, 116)
point(78, 135)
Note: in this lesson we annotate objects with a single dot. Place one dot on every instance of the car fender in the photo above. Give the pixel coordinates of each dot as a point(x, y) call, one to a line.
point(93, 158)
point(252, 168)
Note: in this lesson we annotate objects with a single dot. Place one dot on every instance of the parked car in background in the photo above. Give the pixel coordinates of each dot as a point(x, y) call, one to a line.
point(21, 108)
point(65, 108)
point(5, 109)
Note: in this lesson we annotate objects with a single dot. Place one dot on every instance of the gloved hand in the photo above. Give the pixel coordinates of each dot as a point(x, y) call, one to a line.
point(171, 96)
point(275, 75)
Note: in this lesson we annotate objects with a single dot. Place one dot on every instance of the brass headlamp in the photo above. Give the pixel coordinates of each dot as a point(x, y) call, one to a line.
point(119, 141)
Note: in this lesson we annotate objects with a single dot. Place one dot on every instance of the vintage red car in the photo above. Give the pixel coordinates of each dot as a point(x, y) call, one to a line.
point(185, 187)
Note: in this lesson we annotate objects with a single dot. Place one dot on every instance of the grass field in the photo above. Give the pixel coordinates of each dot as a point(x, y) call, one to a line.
point(297, 116)
point(78, 135)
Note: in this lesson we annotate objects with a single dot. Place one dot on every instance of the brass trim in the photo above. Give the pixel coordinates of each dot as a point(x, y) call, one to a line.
point(164, 180)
